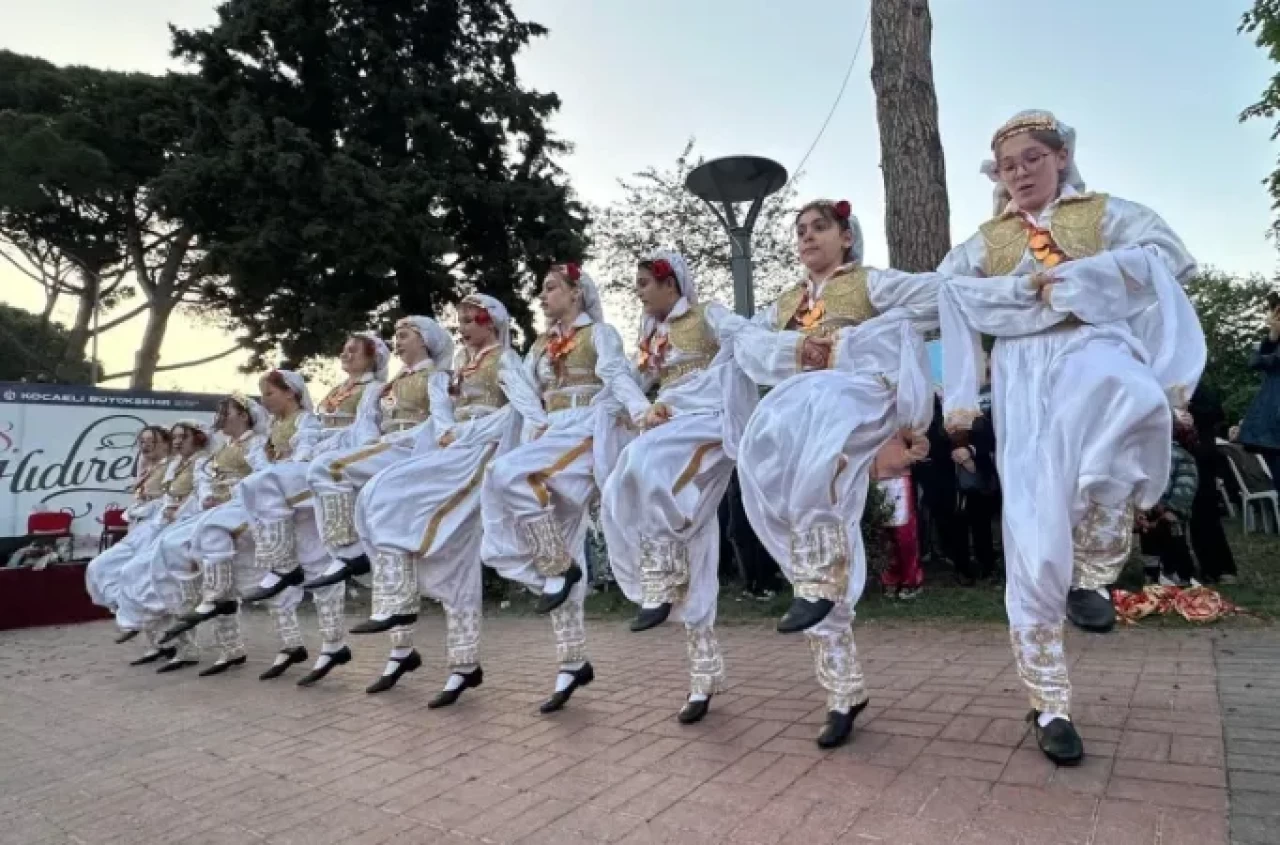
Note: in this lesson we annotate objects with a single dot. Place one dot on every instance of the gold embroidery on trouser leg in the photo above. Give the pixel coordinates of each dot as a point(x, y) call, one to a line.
point(462, 637)
point(188, 594)
point(835, 662)
point(570, 631)
point(329, 603)
point(706, 666)
point(219, 580)
point(546, 542)
point(664, 570)
point(402, 637)
point(287, 627)
point(226, 634)
point(1101, 543)
point(275, 545)
point(1040, 655)
point(820, 563)
point(395, 584)
point(186, 646)
point(337, 519)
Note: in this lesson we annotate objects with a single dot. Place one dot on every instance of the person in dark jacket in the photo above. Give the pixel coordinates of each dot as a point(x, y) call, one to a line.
point(1260, 431)
point(1208, 540)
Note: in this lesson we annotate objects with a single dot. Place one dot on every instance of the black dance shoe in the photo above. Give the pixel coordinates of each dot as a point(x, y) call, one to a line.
point(803, 615)
point(293, 578)
point(651, 617)
point(341, 657)
point(548, 602)
point(404, 665)
point(444, 698)
point(581, 677)
point(292, 656)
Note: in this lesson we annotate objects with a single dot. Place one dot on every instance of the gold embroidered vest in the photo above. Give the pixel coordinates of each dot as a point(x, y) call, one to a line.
point(478, 391)
point(152, 484)
point(229, 465)
point(1076, 227)
point(406, 401)
point(279, 440)
point(338, 408)
point(690, 335)
point(577, 369)
point(183, 482)
point(845, 300)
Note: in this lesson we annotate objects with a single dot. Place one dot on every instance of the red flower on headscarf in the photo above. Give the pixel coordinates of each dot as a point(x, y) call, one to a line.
point(479, 314)
point(843, 209)
point(662, 269)
point(572, 272)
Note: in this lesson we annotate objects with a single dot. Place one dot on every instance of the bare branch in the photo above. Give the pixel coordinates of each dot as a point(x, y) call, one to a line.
point(185, 364)
point(123, 318)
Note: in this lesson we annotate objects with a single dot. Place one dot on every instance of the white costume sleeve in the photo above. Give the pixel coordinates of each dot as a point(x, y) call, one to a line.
point(738, 390)
point(368, 423)
point(309, 433)
point(255, 452)
point(617, 372)
point(769, 357)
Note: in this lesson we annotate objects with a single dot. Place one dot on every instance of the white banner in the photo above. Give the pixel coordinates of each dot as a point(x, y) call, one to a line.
point(71, 448)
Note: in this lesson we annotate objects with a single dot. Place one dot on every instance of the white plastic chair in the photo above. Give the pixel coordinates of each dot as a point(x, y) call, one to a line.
point(1268, 503)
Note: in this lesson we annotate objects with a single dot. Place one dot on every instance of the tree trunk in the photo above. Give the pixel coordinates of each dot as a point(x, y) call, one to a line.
point(917, 214)
point(82, 328)
point(148, 356)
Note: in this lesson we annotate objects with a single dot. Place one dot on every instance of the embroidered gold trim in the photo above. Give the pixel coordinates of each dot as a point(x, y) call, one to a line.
point(1039, 653)
point(459, 496)
point(706, 665)
point(338, 465)
point(538, 480)
point(570, 632)
point(836, 666)
point(820, 563)
point(694, 466)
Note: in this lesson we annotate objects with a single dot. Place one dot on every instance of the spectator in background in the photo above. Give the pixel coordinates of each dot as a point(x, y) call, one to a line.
point(1208, 539)
point(1163, 529)
point(1260, 431)
point(936, 476)
point(979, 488)
point(903, 578)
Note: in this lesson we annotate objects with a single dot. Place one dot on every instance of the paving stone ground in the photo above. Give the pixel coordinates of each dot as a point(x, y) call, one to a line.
point(95, 751)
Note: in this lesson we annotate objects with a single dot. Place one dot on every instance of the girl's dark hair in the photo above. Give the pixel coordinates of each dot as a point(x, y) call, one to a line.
point(826, 209)
point(276, 379)
point(647, 264)
point(225, 407)
point(366, 343)
point(197, 435)
point(159, 432)
point(1050, 138)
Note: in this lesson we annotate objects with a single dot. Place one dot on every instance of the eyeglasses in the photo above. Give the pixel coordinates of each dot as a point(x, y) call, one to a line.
point(1029, 159)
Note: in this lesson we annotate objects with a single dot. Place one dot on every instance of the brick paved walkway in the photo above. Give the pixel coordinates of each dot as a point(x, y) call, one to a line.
point(93, 751)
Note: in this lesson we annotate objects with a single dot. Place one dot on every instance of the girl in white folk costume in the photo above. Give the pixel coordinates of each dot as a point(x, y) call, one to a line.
point(851, 400)
point(1095, 339)
point(535, 499)
point(422, 516)
point(348, 416)
point(102, 575)
point(286, 541)
point(222, 543)
point(659, 505)
point(153, 596)
point(426, 351)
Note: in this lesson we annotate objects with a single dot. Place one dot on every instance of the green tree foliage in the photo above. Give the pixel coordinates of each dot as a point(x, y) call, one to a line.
point(1232, 313)
point(1263, 22)
point(656, 212)
point(354, 160)
point(80, 152)
point(32, 350)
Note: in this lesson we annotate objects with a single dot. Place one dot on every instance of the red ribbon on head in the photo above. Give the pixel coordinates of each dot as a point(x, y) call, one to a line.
point(662, 269)
point(843, 209)
point(572, 272)
point(479, 314)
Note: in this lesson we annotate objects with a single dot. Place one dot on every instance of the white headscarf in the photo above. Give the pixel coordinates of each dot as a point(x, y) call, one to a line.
point(1028, 121)
point(381, 354)
point(259, 419)
point(298, 385)
point(497, 311)
point(680, 267)
point(591, 305)
point(439, 343)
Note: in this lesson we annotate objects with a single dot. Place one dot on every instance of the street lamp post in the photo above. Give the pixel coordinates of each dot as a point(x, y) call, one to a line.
point(722, 184)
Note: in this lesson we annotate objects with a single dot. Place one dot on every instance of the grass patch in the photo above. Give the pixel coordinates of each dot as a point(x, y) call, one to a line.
point(1257, 556)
